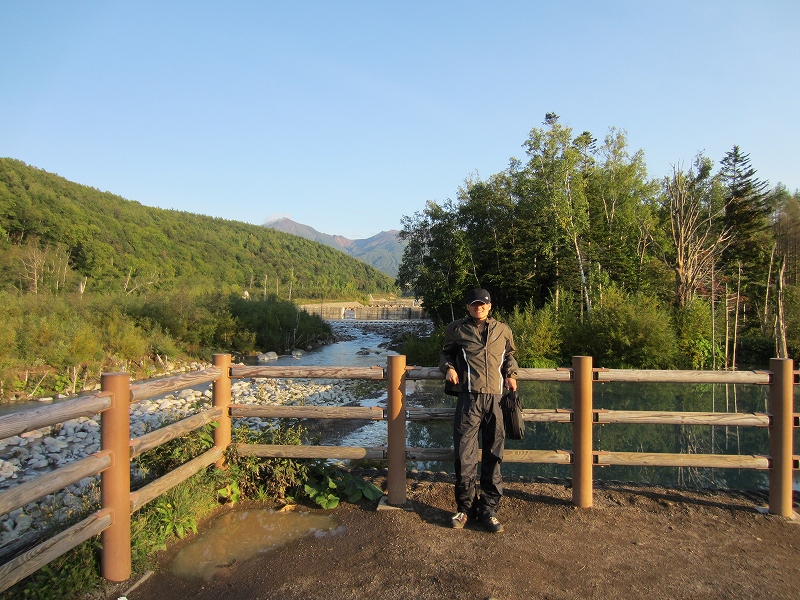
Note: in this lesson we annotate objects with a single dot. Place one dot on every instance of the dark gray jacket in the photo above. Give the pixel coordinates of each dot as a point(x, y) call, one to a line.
point(481, 366)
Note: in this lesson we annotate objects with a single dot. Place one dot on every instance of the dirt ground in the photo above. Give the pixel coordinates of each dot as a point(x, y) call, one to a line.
point(636, 542)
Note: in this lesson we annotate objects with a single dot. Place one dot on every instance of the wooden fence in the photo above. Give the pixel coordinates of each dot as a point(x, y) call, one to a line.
point(112, 461)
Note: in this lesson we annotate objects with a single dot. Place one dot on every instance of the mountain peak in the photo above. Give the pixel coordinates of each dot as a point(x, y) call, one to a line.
point(383, 250)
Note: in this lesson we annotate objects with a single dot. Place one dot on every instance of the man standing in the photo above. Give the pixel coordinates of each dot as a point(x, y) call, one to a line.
point(478, 362)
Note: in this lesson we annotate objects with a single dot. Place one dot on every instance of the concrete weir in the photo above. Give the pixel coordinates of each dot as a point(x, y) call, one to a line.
point(356, 311)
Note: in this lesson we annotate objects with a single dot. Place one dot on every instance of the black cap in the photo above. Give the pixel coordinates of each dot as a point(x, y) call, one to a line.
point(477, 295)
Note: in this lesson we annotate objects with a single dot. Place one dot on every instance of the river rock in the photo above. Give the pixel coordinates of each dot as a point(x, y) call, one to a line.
point(23, 523)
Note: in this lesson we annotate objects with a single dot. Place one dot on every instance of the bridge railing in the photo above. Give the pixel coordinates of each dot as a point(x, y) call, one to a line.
point(112, 461)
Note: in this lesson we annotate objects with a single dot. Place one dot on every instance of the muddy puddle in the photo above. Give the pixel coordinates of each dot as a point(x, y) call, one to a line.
point(239, 535)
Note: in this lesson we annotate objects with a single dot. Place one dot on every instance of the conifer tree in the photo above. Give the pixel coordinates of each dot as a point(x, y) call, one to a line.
point(746, 212)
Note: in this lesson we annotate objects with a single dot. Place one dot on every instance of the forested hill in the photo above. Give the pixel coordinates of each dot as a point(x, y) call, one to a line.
point(59, 234)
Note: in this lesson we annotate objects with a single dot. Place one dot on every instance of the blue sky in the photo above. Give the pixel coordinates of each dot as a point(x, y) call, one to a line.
point(345, 116)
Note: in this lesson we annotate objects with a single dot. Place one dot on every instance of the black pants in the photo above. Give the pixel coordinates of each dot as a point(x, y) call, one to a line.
point(478, 412)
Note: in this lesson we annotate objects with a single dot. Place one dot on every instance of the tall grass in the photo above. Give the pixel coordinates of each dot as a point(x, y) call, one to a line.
point(55, 344)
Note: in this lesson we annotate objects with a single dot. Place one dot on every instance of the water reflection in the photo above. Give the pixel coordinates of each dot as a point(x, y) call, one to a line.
point(695, 439)
point(239, 535)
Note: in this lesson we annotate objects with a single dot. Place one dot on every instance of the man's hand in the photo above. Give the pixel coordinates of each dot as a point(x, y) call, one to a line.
point(451, 376)
point(511, 384)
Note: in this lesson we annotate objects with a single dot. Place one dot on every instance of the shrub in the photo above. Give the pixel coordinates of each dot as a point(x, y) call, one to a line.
point(423, 351)
point(624, 331)
point(275, 477)
point(537, 336)
point(694, 336)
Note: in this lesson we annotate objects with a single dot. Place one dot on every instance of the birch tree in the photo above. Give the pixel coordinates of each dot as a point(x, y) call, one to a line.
point(554, 166)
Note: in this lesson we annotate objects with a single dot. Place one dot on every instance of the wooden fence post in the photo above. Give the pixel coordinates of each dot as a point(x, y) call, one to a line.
point(221, 389)
point(781, 408)
point(115, 482)
point(582, 431)
point(395, 410)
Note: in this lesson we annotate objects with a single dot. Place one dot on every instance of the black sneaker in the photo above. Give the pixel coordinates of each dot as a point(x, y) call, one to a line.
point(459, 520)
point(492, 524)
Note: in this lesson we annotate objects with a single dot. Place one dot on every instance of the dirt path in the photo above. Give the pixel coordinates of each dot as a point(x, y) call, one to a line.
point(636, 542)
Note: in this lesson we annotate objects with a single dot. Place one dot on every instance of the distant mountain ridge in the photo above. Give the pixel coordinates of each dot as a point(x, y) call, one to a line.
point(110, 244)
point(383, 250)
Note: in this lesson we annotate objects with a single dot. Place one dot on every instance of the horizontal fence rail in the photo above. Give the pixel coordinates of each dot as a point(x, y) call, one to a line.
point(558, 457)
point(374, 373)
point(299, 451)
point(153, 490)
point(112, 462)
point(665, 459)
point(32, 490)
point(648, 376)
point(31, 561)
point(47, 416)
point(681, 418)
point(157, 387)
point(619, 375)
point(151, 440)
point(366, 413)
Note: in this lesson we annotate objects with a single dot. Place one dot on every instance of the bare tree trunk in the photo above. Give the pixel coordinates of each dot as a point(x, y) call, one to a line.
point(766, 319)
point(713, 337)
point(736, 316)
point(727, 329)
point(727, 409)
point(558, 286)
point(584, 284)
point(713, 409)
point(780, 341)
point(33, 263)
point(736, 409)
point(74, 378)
